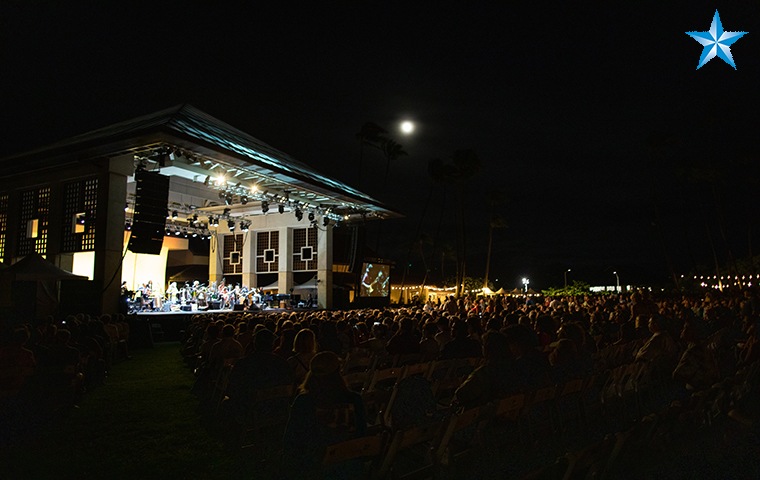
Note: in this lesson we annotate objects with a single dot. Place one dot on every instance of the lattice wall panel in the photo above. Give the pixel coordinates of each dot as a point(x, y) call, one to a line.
point(304, 249)
point(79, 197)
point(267, 251)
point(35, 205)
point(233, 243)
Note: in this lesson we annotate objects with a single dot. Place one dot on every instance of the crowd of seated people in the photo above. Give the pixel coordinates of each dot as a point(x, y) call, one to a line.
point(684, 342)
point(47, 367)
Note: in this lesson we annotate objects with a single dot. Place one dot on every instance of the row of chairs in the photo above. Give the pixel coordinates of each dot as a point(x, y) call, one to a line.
point(416, 452)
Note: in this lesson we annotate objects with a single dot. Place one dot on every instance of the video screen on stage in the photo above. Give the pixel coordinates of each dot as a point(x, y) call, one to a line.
point(375, 280)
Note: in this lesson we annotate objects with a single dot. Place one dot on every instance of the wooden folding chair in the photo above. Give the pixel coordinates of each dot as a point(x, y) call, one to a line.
point(411, 452)
point(462, 435)
point(367, 451)
point(416, 369)
point(268, 415)
point(384, 379)
point(357, 363)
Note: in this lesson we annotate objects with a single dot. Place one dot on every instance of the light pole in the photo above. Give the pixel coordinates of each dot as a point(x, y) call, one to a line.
point(525, 282)
point(617, 280)
point(566, 272)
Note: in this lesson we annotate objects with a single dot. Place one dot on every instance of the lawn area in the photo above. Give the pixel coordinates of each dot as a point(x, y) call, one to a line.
point(144, 423)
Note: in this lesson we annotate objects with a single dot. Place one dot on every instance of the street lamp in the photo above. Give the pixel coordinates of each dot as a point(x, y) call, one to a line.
point(566, 271)
point(617, 279)
point(525, 282)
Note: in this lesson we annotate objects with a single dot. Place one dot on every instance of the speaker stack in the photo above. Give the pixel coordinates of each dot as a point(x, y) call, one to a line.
point(149, 222)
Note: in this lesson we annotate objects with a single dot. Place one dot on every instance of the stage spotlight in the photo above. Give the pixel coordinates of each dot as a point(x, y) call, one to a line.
point(299, 214)
point(244, 226)
point(264, 206)
point(195, 234)
point(184, 232)
point(175, 214)
point(311, 216)
point(195, 219)
point(281, 208)
point(244, 200)
point(226, 212)
point(177, 232)
point(231, 224)
point(325, 221)
point(228, 199)
point(167, 231)
point(168, 214)
point(128, 225)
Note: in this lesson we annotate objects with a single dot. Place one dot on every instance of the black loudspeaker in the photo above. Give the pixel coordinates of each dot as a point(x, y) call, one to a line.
point(148, 224)
point(186, 308)
point(238, 307)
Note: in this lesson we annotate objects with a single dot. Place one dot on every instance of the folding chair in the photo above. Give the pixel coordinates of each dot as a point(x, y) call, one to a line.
point(365, 451)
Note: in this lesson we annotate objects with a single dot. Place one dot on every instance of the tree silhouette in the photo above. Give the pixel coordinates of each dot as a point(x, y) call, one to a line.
point(370, 134)
point(464, 165)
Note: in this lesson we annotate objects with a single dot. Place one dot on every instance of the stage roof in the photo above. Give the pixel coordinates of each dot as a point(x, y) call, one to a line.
point(190, 143)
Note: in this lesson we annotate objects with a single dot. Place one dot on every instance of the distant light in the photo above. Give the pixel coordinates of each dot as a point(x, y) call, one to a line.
point(407, 127)
point(220, 181)
point(255, 188)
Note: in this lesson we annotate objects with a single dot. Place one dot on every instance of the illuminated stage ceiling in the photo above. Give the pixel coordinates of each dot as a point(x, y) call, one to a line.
point(185, 142)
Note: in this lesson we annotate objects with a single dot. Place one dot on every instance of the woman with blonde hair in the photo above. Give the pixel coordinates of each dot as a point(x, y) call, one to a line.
point(304, 349)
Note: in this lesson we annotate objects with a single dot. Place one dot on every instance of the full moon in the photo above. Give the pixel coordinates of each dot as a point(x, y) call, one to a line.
point(407, 127)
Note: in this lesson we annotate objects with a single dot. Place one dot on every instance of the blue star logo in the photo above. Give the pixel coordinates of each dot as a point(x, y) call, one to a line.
point(716, 42)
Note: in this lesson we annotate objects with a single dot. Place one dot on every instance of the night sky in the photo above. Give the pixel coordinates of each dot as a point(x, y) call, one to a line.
point(609, 150)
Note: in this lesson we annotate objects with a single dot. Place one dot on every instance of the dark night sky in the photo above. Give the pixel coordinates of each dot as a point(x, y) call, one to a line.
point(565, 103)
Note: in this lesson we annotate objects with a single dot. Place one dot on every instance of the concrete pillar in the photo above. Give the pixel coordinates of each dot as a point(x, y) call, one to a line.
point(324, 267)
point(109, 241)
point(249, 259)
point(285, 265)
point(215, 257)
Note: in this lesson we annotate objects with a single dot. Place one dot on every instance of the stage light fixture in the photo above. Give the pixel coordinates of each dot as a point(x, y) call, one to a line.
point(168, 214)
point(244, 226)
point(128, 225)
point(311, 216)
point(184, 232)
point(231, 224)
point(325, 221)
point(226, 212)
point(195, 218)
point(177, 232)
point(244, 200)
point(299, 214)
point(228, 199)
point(175, 214)
point(264, 207)
point(195, 234)
point(281, 208)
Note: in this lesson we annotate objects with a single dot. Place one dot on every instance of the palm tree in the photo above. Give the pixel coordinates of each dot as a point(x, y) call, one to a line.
point(392, 150)
point(496, 221)
point(370, 134)
point(463, 166)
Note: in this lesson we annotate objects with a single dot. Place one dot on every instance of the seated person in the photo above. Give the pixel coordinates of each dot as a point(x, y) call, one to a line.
point(493, 380)
point(307, 434)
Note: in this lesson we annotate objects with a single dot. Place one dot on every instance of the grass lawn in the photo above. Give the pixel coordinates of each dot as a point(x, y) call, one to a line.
point(144, 423)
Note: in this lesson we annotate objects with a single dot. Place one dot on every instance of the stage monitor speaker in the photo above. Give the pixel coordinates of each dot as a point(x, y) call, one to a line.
point(238, 307)
point(186, 308)
point(149, 221)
